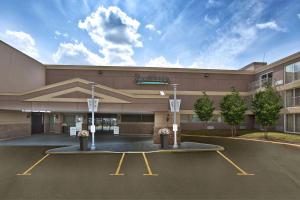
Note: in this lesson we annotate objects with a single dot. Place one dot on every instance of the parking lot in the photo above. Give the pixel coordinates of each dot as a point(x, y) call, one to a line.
point(245, 170)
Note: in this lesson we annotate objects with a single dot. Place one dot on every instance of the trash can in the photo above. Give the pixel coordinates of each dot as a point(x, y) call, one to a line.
point(164, 141)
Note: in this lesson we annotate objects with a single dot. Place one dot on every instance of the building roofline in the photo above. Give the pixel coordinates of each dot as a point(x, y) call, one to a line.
point(15, 49)
point(253, 64)
point(146, 69)
point(279, 62)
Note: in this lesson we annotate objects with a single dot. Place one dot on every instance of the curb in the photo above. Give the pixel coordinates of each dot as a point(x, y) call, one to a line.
point(244, 139)
point(50, 151)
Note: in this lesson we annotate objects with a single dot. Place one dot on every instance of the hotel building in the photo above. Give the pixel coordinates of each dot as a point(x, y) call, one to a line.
point(40, 98)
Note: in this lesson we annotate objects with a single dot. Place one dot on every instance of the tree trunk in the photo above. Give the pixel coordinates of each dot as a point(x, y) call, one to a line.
point(231, 130)
point(234, 130)
point(266, 132)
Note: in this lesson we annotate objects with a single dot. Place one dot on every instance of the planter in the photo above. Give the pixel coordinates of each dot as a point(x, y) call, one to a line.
point(164, 141)
point(84, 141)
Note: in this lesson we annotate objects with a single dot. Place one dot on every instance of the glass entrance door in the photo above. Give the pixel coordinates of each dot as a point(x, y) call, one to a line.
point(104, 123)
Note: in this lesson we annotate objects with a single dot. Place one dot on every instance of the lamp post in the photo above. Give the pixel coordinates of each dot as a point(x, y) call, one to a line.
point(93, 147)
point(175, 145)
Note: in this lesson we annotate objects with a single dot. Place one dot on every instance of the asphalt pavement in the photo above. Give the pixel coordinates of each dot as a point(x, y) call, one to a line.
point(271, 172)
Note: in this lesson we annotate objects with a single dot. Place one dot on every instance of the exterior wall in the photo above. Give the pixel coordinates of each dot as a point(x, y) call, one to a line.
point(14, 124)
point(193, 126)
point(136, 128)
point(165, 120)
point(19, 73)
point(126, 79)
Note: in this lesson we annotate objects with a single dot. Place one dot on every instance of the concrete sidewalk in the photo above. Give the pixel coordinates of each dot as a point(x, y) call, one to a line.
point(104, 143)
point(50, 139)
point(45, 139)
point(136, 147)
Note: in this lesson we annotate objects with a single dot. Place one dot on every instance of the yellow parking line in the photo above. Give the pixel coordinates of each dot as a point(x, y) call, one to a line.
point(26, 173)
point(241, 171)
point(148, 166)
point(117, 173)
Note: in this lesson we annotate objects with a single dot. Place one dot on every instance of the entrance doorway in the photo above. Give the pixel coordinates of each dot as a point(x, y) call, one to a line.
point(37, 123)
point(104, 123)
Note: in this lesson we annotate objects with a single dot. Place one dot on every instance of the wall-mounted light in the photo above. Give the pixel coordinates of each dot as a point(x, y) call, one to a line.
point(162, 93)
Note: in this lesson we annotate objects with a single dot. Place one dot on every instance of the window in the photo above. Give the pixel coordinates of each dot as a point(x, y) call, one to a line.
point(292, 97)
point(292, 72)
point(297, 97)
point(290, 123)
point(289, 98)
point(297, 123)
point(289, 73)
point(137, 118)
point(266, 78)
point(297, 70)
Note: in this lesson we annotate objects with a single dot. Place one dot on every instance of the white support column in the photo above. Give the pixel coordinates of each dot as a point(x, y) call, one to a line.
point(175, 126)
point(93, 147)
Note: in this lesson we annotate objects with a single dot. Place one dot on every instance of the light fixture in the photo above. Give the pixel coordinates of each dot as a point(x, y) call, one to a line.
point(42, 111)
point(162, 93)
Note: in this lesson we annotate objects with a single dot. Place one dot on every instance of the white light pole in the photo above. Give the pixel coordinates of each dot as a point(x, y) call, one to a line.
point(93, 147)
point(175, 145)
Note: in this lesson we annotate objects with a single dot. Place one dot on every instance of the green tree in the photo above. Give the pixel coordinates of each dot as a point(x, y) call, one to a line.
point(233, 109)
point(204, 108)
point(266, 106)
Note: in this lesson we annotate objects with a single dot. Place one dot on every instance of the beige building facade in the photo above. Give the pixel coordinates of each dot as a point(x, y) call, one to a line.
point(41, 98)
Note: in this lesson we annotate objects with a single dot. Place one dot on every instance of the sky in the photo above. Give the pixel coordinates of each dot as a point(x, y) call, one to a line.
point(216, 34)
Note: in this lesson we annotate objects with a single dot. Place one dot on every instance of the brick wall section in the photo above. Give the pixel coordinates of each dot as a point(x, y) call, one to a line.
point(136, 128)
point(14, 124)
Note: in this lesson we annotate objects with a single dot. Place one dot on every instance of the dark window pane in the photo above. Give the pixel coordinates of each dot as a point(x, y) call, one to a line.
point(147, 118)
point(297, 123)
point(290, 123)
point(137, 118)
point(297, 70)
point(289, 98)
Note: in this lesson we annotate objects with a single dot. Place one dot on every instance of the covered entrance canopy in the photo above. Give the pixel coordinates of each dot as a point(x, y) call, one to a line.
point(63, 102)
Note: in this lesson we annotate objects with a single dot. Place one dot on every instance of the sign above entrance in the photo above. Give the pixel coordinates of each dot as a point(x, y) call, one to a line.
point(90, 103)
point(177, 105)
point(151, 80)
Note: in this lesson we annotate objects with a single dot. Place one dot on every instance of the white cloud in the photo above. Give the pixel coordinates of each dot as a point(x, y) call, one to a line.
point(57, 32)
point(270, 25)
point(151, 27)
point(76, 53)
point(232, 39)
point(224, 50)
point(211, 21)
point(115, 32)
point(21, 41)
point(162, 62)
point(61, 34)
point(213, 3)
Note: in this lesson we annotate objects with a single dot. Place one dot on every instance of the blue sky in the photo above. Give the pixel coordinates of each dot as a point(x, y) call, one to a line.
point(164, 33)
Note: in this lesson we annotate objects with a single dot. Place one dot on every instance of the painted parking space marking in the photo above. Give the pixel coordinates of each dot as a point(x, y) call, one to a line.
point(148, 166)
point(117, 173)
point(241, 171)
point(27, 172)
